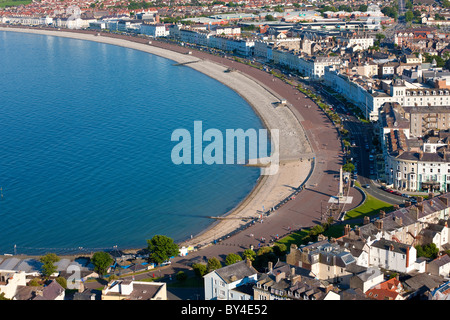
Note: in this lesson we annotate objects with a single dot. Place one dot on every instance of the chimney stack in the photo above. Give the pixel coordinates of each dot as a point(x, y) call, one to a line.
point(382, 214)
point(419, 199)
point(366, 220)
point(296, 279)
point(270, 266)
point(420, 207)
point(379, 224)
point(279, 276)
point(346, 230)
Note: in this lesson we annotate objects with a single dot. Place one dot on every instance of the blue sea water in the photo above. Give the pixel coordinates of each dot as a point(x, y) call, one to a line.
point(85, 146)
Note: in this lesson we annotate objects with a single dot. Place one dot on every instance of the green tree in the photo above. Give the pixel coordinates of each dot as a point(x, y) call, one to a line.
point(263, 256)
point(101, 261)
point(48, 264)
point(390, 11)
point(409, 16)
point(2, 296)
point(270, 17)
point(348, 167)
point(409, 5)
point(213, 264)
point(200, 269)
point(428, 251)
point(280, 249)
point(362, 8)
point(161, 248)
point(34, 282)
point(380, 36)
point(344, 7)
point(232, 258)
point(249, 254)
point(62, 282)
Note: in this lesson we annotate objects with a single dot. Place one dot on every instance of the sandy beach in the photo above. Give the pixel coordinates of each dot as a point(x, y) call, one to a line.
point(295, 151)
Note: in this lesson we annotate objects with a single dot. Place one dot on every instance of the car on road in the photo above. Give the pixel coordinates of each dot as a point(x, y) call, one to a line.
point(367, 186)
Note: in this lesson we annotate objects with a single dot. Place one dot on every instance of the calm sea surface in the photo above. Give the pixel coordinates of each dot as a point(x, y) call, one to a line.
point(85, 146)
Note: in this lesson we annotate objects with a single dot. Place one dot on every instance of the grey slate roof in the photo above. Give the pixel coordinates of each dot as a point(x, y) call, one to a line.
point(391, 245)
point(239, 269)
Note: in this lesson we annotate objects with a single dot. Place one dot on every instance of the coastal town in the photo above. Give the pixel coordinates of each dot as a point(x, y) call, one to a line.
point(359, 209)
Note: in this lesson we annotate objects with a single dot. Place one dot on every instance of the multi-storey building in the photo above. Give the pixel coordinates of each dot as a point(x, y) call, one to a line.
point(225, 283)
point(154, 30)
point(415, 147)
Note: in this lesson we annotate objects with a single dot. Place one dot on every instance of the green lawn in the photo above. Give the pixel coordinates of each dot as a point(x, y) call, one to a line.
point(13, 3)
point(294, 238)
point(371, 206)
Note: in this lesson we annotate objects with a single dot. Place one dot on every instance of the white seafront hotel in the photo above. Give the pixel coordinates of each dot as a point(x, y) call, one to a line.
point(412, 163)
point(154, 30)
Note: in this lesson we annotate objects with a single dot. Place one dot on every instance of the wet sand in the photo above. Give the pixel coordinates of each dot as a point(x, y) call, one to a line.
point(295, 151)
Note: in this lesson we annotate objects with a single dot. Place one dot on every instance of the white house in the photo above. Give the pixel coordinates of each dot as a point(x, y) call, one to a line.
point(367, 279)
point(314, 67)
point(154, 30)
point(440, 266)
point(221, 284)
point(393, 255)
point(134, 290)
point(10, 280)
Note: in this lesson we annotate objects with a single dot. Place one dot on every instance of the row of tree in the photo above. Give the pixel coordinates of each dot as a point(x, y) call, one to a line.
point(160, 248)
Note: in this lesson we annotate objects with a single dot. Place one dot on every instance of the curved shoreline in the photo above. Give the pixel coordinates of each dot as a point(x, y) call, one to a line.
point(293, 140)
